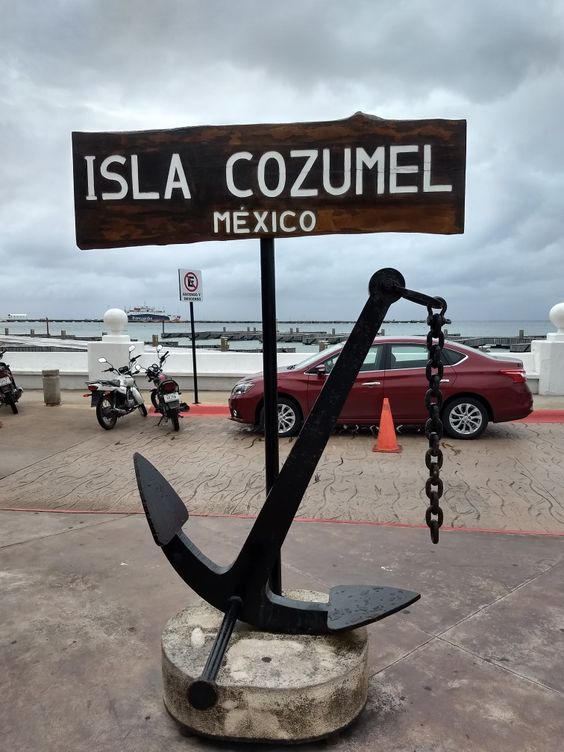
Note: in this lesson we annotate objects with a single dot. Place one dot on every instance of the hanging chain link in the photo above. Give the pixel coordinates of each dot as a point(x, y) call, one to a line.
point(434, 425)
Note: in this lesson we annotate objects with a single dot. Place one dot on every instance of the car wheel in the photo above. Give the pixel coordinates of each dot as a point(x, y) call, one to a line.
point(465, 418)
point(289, 418)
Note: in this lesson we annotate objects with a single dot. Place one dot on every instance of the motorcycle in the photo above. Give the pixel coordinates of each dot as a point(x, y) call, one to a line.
point(9, 392)
point(114, 398)
point(166, 394)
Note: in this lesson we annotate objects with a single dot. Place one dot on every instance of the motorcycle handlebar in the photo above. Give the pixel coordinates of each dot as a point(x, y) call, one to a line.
point(122, 370)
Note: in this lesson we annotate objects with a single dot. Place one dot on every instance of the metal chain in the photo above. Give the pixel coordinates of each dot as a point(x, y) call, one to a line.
point(434, 425)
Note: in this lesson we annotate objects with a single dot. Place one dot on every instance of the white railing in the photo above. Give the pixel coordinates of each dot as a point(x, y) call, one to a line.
point(216, 371)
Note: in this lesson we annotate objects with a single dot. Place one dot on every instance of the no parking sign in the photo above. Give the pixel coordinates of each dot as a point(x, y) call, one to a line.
point(190, 285)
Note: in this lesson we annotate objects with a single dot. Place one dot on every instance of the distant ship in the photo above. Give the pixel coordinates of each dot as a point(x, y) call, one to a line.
point(147, 313)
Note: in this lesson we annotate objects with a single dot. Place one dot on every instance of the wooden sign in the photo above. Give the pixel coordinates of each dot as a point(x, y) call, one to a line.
point(362, 174)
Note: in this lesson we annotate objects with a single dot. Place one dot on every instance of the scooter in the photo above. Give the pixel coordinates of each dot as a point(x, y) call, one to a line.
point(9, 392)
point(114, 398)
point(166, 394)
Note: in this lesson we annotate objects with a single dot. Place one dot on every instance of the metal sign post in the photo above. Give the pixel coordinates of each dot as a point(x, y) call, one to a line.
point(270, 373)
point(194, 368)
point(191, 289)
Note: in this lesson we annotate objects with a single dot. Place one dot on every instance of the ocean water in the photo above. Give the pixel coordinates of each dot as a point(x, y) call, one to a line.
point(145, 331)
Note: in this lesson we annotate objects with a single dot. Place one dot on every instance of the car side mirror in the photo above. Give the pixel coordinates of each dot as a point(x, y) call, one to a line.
point(320, 370)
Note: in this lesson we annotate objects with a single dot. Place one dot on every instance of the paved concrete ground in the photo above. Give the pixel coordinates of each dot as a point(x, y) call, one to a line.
point(59, 458)
point(477, 664)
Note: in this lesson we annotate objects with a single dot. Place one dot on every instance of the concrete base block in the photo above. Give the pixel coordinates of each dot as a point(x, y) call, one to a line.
point(272, 687)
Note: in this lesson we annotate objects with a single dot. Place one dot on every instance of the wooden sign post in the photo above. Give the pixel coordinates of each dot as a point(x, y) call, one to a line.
point(358, 175)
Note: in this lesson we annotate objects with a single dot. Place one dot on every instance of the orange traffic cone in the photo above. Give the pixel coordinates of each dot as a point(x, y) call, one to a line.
point(386, 441)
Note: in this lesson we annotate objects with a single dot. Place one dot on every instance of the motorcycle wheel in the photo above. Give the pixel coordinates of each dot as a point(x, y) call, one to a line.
point(11, 402)
point(143, 410)
point(175, 420)
point(154, 400)
point(105, 415)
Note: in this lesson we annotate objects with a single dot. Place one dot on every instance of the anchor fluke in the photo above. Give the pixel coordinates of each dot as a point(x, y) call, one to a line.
point(355, 606)
point(165, 510)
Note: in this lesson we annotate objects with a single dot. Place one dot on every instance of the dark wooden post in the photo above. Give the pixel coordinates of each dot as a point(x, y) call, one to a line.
point(270, 368)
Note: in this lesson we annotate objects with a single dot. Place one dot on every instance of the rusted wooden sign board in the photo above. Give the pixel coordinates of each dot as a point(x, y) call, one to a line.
point(362, 174)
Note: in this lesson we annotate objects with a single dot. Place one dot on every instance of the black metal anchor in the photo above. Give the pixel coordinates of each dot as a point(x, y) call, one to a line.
point(241, 590)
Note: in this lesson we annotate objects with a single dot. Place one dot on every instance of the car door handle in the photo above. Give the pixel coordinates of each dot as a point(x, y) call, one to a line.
point(445, 381)
point(372, 383)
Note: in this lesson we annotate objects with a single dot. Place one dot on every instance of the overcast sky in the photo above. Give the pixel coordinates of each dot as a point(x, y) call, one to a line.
point(119, 65)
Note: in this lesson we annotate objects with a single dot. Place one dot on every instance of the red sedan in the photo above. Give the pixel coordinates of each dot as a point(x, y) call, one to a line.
point(477, 388)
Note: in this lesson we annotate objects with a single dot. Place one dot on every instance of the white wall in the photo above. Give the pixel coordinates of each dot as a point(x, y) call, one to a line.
point(215, 370)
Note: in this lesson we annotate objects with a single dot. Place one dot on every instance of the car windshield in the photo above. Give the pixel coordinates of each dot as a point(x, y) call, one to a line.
point(315, 356)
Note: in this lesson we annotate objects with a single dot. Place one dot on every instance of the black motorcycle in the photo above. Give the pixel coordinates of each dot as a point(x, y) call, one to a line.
point(166, 394)
point(9, 392)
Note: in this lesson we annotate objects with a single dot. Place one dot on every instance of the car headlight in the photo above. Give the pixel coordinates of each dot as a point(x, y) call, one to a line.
point(241, 388)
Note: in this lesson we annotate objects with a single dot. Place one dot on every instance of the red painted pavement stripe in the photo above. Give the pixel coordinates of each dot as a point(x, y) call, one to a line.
point(208, 410)
point(320, 520)
point(543, 416)
point(199, 410)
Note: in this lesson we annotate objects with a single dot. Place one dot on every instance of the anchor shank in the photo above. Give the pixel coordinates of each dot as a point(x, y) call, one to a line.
point(275, 518)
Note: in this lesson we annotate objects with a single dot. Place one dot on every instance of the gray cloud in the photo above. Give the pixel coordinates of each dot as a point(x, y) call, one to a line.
point(106, 66)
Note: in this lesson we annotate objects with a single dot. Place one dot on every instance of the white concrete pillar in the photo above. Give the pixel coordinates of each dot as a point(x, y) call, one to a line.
point(549, 355)
point(114, 346)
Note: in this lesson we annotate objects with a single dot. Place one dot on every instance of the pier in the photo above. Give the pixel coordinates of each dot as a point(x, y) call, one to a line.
point(304, 338)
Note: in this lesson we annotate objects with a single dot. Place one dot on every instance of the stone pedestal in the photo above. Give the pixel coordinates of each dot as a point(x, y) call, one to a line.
point(271, 687)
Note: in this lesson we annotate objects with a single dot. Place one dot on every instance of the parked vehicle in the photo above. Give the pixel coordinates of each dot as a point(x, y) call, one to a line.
point(9, 391)
point(166, 394)
point(114, 398)
point(477, 388)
